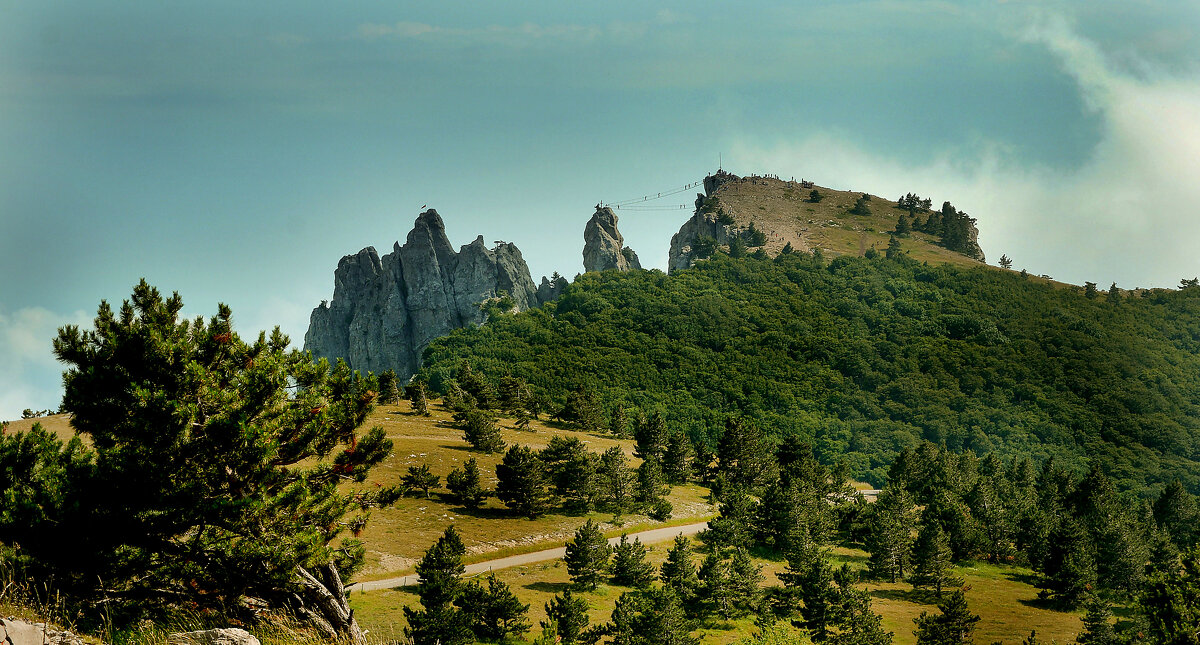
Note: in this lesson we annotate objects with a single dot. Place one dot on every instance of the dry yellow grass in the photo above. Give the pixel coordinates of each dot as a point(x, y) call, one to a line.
point(1006, 603)
point(782, 210)
point(397, 537)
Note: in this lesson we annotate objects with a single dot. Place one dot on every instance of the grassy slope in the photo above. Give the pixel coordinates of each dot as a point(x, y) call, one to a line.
point(398, 536)
point(782, 210)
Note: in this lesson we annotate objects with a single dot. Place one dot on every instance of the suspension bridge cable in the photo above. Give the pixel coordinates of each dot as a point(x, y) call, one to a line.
point(647, 198)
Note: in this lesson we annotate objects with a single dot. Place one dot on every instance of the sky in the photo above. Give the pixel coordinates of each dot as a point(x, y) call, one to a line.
point(234, 152)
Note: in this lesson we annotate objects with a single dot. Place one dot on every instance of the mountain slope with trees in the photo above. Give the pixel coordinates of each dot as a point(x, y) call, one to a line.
point(863, 356)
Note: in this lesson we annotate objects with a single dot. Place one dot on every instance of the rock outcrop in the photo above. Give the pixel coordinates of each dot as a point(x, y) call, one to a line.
point(604, 247)
point(550, 288)
point(385, 311)
point(704, 225)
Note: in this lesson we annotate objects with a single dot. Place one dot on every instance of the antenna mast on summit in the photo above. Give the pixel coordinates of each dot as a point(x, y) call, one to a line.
point(720, 163)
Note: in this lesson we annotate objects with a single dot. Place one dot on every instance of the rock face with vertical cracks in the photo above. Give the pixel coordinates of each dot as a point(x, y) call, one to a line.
point(604, 247)
point(385, 311)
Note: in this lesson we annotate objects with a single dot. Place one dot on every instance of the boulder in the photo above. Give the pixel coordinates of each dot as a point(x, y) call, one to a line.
point(227, 636)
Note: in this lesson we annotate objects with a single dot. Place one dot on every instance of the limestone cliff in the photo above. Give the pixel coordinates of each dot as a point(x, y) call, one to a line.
point(604, 247)
point(385, 311)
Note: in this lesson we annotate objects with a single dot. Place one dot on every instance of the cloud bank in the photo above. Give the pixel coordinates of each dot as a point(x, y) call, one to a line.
point(1128, 214)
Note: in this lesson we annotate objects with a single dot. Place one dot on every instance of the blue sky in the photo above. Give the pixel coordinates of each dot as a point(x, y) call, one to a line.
point(235, 151)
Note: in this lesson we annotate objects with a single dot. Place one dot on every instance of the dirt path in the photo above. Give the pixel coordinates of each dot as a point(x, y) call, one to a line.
point(647, 537)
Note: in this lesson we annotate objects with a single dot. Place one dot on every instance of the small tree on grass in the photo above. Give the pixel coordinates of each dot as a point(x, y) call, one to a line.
point(522, 484)
point(629, 567)
point(466, 485)
point(678, 572)
point(676, 462)
point(480, 430)
point(587, 556)
point(416, 397)
point(815, 196)
point(652, 617)
point(492, 610)
point(616, 481)
point(889, 539)
point(420, 477)
point(389, 387)
point(566, 615)
point(953, 626)
point(932, 559)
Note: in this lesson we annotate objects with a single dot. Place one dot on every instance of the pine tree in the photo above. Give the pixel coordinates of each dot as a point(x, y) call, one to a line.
point(522, 484)
point(932, 564)
point(587, 555)
point(858, 624)
point(1097, 630)
point(734, 525)
point(568, 616)
point(492, 611)
point(678, 572)
point(480, 430)
point(650, 490)
point(894, 250)
point(416, 396)
point(583, 409)
point(744, 455)
point(677, 459)
point(744, 578)
point(1169, 604)
point(618, 424)
point(1069, 569)
point(243, 455)
point(420, 477)
point(439, 585)
point(572, 471)
point(903, 227)
point(616, 481)
point(1114, 294)
point(466, 485)
point(810, 578)
point(1177, 514)
point(889, 539)
point(389, 390)
point(953, 626)
point(815, 196)
point(629, 567)
point(476, 385)
point(651, 437)
point(652, 617)
point(716, 586)
point(1005, 262)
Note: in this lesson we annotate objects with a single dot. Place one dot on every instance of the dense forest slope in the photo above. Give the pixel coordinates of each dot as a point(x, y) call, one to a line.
point(865, 355)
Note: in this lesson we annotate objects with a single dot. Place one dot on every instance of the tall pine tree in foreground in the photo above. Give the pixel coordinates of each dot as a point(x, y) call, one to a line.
point(218, 468)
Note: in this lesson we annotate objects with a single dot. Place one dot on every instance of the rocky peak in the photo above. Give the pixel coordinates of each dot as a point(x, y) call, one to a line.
point(603, 245)
point(385, 311)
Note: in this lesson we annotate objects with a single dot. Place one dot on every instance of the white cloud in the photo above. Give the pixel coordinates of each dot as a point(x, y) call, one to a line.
point(30, 377)
point(1128, 214)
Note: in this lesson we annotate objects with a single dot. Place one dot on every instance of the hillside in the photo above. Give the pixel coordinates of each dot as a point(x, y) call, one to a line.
point(787, 213)
point(865, 356)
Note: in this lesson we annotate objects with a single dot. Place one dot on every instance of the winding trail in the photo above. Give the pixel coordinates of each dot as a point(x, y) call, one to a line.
point(647, 537)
